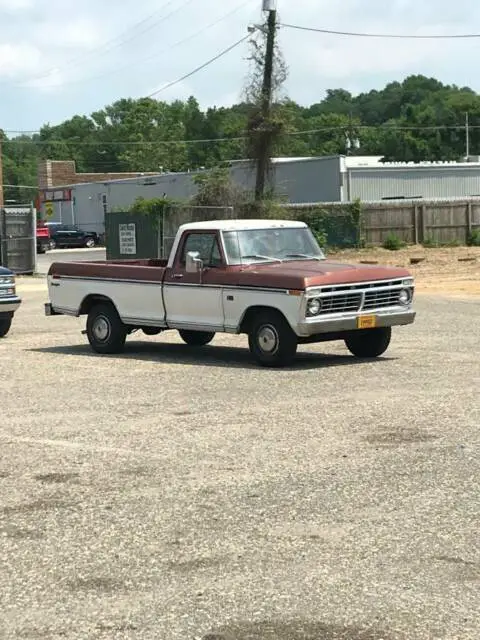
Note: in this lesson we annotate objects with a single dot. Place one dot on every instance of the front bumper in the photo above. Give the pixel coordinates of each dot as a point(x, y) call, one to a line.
point(10, 304)
point(349, 322)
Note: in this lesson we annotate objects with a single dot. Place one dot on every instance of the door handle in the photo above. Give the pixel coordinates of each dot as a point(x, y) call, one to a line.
point(177, 276)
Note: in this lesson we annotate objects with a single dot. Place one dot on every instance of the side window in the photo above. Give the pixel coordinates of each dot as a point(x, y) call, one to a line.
point(207, 246)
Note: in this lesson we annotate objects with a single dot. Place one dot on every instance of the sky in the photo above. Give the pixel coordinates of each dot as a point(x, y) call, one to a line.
point(59, 58)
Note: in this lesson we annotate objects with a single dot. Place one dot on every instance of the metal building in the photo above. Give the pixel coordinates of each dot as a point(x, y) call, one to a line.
point(296, 180)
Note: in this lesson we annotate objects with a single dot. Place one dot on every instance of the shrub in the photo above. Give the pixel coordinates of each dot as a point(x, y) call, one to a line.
point(393, 243)
point(474, 238)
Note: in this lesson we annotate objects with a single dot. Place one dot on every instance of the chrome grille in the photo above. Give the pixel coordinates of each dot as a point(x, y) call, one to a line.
point(353, 298)
point(342, 303)
point(378, 299)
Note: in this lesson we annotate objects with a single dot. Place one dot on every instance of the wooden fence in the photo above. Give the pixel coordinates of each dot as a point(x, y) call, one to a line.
point(441, 222)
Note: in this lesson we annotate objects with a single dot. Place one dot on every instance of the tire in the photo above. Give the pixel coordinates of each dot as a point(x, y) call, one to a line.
point(151, 331)
point(5, 324)
point(369, 343)
point(105, 331)
point(52, 245)
point(196, 338)
point(89, 243)
point(271, 340)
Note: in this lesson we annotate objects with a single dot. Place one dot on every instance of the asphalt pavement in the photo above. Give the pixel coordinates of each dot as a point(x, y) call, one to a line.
point(173, 493)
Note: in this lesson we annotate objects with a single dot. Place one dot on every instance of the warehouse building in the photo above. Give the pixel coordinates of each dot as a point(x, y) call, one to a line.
point(296, 180)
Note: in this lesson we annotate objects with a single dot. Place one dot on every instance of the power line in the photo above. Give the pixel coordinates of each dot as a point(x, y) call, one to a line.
point(202, 66)
point(383, 35)
point(112, 44)
point(145, 143)
point(119, 69)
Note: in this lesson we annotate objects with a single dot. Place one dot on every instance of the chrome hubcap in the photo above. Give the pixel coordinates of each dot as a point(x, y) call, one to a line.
point(267, 339)
point(101, 329)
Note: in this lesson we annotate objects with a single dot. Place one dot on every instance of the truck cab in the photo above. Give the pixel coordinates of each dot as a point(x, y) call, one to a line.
point(267, 279)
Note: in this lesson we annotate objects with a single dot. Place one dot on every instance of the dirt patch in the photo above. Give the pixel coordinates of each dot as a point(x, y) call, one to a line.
point(451, 271)
point(399, 437)
point(297, 630)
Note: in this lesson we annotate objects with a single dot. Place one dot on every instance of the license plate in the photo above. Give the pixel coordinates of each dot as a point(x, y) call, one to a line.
point(367, 322)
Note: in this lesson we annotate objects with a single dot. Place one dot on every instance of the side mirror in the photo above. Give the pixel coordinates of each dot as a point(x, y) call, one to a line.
point(193, 262)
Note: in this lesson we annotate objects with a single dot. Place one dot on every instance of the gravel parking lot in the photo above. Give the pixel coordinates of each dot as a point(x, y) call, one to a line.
point(175, 494)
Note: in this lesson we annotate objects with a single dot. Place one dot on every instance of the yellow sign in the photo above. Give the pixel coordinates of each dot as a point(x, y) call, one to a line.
point(48, 209)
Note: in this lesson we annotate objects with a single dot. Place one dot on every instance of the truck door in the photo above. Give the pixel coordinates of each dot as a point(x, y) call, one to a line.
point(193, 300)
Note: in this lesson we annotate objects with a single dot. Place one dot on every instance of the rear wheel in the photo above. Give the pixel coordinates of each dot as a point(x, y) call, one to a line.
point(369, 343)
point(89, 243)
point(196, 338)
point(271, 340)
point(5, 324)
point(106, 332)
point(52, 245)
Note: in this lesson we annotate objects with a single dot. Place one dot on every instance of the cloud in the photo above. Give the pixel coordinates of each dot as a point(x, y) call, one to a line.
point(91, 53)
point(15, 5)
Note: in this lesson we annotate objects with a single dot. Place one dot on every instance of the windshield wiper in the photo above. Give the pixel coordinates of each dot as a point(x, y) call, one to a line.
point(303, 256)
point(257, 257)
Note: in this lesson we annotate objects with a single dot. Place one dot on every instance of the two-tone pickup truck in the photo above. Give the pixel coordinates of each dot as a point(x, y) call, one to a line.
point(9, 301)
point(267, 279)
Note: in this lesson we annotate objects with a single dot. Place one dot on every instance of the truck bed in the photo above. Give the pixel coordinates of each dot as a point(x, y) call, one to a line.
point(148, 270)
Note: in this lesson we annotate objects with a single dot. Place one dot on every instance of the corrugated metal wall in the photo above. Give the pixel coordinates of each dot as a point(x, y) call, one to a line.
point(425, 182)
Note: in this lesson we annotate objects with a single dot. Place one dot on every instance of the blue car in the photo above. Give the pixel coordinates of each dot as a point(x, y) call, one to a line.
point(9, 301)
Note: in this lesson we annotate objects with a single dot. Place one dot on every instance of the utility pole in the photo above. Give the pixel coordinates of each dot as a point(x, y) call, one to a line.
point(467, 136)
point(267, 90)
point(1, 174)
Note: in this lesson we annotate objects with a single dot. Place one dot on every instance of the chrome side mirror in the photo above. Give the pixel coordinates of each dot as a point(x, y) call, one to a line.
point(193, 263)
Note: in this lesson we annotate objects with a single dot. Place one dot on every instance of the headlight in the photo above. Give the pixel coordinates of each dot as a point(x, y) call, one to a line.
point(7, 280)
point(314, 306)
point(405, 296)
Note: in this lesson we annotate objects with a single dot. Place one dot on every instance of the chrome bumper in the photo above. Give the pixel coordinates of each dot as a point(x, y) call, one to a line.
point(9, 305)
point(348, 322)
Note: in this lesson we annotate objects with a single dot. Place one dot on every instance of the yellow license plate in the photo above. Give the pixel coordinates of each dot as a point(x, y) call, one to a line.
point(367, 322)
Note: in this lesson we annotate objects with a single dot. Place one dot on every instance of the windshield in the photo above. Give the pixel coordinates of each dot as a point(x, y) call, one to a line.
point(271, 245)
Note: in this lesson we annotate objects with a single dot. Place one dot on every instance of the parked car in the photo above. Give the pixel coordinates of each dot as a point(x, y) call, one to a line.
point(43, 237)
point(66, 235)
point(9, 301)
point(264, 278)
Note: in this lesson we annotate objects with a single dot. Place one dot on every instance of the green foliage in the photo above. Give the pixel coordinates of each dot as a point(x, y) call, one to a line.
point(393, 243)
point(154, 208)
point(474, 238)
point(217, 189)
point(335, 226)
point(419, 118)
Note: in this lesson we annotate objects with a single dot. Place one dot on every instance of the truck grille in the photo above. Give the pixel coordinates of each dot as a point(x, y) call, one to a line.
point(348, 298)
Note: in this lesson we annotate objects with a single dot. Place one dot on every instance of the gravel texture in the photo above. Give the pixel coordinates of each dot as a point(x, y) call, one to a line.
point(179, 494)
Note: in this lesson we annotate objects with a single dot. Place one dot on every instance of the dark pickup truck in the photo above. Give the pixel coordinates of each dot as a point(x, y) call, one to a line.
point(9, 301)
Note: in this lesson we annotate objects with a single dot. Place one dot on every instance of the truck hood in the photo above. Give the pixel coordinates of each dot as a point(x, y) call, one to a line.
point(300, 274)
point(5, 272)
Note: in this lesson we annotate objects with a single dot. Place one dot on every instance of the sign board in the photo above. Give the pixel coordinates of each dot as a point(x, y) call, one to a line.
point(49, 209)
point(127, 234)
point(60, 195)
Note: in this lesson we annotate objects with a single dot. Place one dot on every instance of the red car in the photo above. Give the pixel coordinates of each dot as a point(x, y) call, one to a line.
point(43, 237)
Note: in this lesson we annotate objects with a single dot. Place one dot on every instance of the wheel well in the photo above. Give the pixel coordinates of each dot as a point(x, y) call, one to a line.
point(250, 314)
point(90, 301)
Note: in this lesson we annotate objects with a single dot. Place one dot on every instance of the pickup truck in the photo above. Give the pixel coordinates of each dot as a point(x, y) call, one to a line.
point(264, 278)
point(9, 301)
point(43, 238)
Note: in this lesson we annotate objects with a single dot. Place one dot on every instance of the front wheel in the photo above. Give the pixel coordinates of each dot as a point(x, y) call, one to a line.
point(105, 331)
point(89, 243)
point(5, 324)
point(369, 343)
point(271, 340)
point(196, 338)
